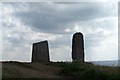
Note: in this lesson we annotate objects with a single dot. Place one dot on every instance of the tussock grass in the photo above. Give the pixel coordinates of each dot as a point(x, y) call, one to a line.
point(77, 70)
point(88, 71)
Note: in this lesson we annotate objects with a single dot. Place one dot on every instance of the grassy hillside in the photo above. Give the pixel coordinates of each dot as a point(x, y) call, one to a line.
point(87, 71)
point(60, 70)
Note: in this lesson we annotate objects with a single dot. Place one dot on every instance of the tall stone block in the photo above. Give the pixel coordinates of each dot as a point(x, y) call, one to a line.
point(40, 52)
point(78, 47)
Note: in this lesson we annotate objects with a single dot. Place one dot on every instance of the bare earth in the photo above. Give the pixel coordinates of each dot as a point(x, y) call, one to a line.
point(29, 70)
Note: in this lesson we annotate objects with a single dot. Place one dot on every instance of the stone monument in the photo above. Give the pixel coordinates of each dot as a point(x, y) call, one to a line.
point(40, 52)
point(78, 47)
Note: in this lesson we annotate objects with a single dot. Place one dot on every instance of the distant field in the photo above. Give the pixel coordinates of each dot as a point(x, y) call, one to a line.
point(58, 70)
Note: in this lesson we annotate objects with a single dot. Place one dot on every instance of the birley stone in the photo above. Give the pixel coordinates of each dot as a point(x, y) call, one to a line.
point(40, 52)
point(78, 47)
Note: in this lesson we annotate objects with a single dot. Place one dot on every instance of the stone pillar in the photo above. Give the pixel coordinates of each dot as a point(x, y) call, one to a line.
point(40, 52)
point(78, 47)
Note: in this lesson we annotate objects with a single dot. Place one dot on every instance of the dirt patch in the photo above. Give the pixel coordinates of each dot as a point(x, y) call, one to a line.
point(29, 70)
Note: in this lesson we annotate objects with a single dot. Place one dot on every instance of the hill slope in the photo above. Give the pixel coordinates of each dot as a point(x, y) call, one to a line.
point(81, 70)
point(29, 70)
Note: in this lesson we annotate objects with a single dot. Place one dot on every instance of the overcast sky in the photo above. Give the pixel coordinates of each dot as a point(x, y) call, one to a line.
point(27, 23)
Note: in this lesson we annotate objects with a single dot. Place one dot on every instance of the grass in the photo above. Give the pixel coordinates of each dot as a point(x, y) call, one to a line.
point(87, 71)
point(81, 70)
point(9, 73)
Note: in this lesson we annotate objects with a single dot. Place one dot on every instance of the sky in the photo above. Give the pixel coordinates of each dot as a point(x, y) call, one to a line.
point(24, 23)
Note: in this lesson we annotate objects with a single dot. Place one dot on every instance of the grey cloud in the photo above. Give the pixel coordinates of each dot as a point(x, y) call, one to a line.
point(64, 40)
point(56, 17)
point(93, 40)
point(16, 48)
point(118, 30)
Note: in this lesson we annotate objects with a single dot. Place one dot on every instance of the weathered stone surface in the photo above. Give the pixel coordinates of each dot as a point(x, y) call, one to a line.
point(40, 52)
point(78, 47)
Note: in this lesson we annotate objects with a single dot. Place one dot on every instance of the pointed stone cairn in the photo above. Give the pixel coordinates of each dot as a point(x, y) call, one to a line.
point(78, 47)
point(40, 52)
